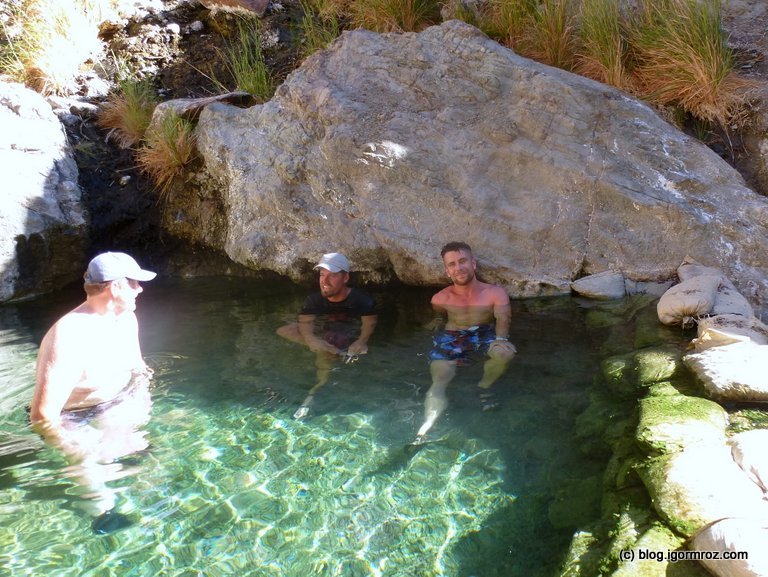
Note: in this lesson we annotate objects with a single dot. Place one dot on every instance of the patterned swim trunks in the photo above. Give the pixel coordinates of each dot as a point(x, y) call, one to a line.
point(463, 346)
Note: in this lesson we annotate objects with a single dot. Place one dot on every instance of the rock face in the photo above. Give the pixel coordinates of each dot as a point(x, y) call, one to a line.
point(387, 146)
point(43, 225)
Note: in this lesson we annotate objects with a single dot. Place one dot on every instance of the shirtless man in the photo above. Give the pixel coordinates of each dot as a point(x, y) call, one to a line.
point(348, 315)
point(91, 382)
point(478, 318)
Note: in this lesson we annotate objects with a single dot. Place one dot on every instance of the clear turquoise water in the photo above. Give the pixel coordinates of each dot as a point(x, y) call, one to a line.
point(233, 485)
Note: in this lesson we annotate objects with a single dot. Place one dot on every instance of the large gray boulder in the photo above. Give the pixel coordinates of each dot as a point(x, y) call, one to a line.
point(43, 222)
point(387, 146)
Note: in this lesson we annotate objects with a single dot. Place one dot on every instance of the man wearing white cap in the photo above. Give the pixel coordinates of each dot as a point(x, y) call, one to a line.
point(91, 383)
point(349, 316)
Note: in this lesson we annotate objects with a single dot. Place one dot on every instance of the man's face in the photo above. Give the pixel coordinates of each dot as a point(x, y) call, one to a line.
point(333, 284)
point(125, 291)
point(459, 266)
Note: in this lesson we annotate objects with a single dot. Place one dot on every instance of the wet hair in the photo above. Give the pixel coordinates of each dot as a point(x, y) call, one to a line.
point(455, 246)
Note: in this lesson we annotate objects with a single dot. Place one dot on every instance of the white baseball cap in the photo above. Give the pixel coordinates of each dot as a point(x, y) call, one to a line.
point(334, 262)
point(114, 265)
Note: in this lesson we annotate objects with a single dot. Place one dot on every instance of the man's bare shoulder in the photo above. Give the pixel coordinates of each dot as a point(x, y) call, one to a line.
point(499, 294)
point(442, 297)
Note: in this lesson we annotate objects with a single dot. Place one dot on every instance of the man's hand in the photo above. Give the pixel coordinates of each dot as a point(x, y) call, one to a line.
point(502, 348)
point(357, 348)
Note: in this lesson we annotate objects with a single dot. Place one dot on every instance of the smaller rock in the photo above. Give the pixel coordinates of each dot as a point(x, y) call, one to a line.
point(733, 372)
point(195, 27)
point(602, 285)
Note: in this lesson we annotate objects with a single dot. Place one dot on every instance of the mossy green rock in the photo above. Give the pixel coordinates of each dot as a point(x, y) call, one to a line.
point(619, 374)
point(672, 422)
point(657, 364)
point(700, 485)
point(575, 502)
point(654, 545)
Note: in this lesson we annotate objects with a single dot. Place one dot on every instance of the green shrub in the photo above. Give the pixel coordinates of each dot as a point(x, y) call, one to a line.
point(245, 63)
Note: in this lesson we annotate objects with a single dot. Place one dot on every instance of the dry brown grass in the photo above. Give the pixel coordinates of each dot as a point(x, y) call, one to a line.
point(394, 15)
point(128, 112)
point(47, 43)
point(683, 60)
point(603, 47)
point(543, 30)
point(552, 38)
point(168, 148)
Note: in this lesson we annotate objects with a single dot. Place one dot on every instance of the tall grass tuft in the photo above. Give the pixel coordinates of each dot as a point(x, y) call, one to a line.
point(683, 59)
point(169, 147)
point(245, 62)
point(603, 47)
point(320, 24)
point(543, 30)
point(394, 15)
point(552, 38)
point(128, 112)
point(507, 21)
point(46, 43)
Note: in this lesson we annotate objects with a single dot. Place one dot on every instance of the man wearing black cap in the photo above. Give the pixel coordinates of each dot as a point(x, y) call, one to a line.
point(349, 316)
point(91, 382)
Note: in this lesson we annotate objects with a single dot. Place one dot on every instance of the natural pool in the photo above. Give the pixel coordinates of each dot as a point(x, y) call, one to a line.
point(234, 485)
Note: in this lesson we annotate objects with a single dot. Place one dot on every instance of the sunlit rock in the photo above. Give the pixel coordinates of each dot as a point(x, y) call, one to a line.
point(648, 554)
point(700, 485)
point(385, 146)
point(43, 222)
point(673, 422)
point(732, 372)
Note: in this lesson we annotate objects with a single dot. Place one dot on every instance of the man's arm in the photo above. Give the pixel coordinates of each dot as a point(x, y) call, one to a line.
point(58, 372)
point(502, 312)
point(315, 343)
point(360, 346)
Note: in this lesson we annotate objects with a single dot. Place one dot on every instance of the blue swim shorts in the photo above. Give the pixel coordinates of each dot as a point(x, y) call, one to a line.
point(462, 346)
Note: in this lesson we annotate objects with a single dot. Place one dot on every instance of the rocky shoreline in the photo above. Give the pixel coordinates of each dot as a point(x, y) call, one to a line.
point(361, 157)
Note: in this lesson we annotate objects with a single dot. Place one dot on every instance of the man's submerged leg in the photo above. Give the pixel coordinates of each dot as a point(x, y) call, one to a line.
point(435, 401)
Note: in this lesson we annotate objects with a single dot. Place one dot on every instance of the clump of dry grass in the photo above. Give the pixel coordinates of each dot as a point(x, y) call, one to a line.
point(321, 23)
point(543, 30)
point(46, 43)
point(603, 47)
point(394, 15)
point(552, 38)
point(169, 147)
point(128, 112)
point(682, 59)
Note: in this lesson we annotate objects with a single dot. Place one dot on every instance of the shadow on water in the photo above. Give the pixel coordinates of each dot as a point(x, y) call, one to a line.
point(232, 480)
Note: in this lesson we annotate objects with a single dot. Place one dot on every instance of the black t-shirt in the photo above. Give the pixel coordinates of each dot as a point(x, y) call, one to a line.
point(340, 320)
point(357, 304)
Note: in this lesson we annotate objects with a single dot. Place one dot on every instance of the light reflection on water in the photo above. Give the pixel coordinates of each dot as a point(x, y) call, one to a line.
point(232, 484)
